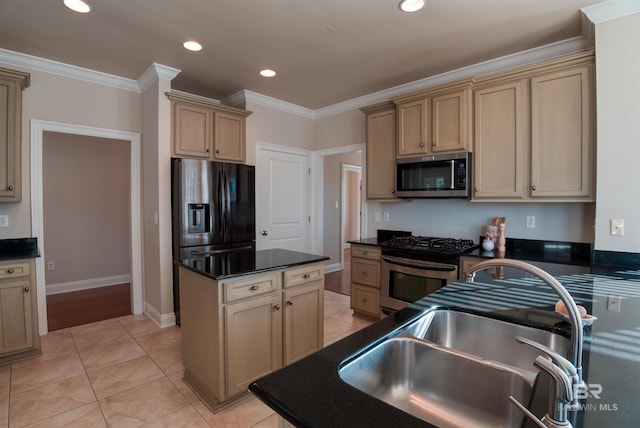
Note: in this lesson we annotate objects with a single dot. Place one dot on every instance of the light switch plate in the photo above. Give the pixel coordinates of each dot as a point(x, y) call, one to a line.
point(617, 227)
point(4, 220)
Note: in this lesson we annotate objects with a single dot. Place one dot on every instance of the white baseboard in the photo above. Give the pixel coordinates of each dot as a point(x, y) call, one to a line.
point(86, 284)
point(332, 267)
point(163, 320)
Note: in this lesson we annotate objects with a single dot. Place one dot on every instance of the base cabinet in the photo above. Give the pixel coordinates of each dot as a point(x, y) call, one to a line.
point(366, 265)
point(235, 331)
point(18, 314)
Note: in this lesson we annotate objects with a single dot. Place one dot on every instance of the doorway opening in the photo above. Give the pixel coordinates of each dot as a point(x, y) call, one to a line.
point(133, 221)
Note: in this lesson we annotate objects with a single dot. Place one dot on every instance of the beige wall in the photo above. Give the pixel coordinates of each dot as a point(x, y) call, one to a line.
point(341, 129)
point(268, 125)
point(86, 207)
point(618, 111)
point(61, 99)
point(332, 225)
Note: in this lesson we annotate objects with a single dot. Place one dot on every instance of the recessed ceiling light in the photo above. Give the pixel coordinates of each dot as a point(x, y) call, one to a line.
point(411, 5)
point(267, 73)
point(77, 6)
point(192, 45)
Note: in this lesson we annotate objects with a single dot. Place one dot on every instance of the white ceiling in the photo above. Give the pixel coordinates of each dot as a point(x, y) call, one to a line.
point(325, 51)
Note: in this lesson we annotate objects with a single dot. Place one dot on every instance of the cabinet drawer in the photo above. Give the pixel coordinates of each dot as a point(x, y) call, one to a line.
point(366, 252)
point(365, 272)
point(14, 270)
point(303, 275)
point(365, 299)
point(250, 287)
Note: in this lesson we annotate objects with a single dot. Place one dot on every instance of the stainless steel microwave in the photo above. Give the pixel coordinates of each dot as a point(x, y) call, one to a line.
point(434, 176)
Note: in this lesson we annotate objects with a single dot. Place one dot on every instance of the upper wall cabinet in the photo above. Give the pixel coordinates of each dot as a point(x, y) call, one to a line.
point(434, 121)
point(12, 83)
point(534, 137)
point(207, 130)
point(381, 151)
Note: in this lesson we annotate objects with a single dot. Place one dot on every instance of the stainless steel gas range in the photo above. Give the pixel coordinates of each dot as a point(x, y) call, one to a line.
point(416, 266)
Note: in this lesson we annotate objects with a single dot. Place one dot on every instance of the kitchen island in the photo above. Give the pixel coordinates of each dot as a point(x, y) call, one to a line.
point(310, 393)
point(245, 315)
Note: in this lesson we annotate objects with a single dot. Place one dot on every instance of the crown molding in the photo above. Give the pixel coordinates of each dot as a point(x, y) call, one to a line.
point(155, 72)
point(611, 9)
point(67, 70)
point(246, 96)
point(519, 59)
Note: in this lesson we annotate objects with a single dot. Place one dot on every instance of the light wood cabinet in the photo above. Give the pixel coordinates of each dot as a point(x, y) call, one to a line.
point(18, 314)
point(534, 138)
point(366, 263)
point(498, 158)
point(561, 134)
point(12, 83)
point(207, 130)
point(381, 151)
point(434, 121)
point(237, 330)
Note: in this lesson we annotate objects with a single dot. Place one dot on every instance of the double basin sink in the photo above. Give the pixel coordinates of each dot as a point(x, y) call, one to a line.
point(453, 369)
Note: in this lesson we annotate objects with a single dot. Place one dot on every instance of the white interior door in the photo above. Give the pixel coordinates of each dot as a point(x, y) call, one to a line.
point(283, 189)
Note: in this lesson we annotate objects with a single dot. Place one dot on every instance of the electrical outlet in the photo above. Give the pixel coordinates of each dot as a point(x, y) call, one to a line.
point(617, 227)
point(613, 303)
point(385, 216)
point(4, 220)
point(51, 265)
point(376, 216)
point(531, 222)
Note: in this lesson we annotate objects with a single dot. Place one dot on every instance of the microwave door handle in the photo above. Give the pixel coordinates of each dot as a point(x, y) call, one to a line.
point(453, 174)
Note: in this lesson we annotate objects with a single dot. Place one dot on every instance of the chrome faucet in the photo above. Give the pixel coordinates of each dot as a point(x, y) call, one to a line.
point(561, 395)
point(575, 349)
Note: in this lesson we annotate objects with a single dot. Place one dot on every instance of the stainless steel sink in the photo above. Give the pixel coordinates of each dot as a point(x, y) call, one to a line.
point(439, 385)
point(485, 337)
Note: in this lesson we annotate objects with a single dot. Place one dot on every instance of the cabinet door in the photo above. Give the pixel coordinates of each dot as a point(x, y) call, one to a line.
point(10, 119)
point(229, 141)
point(16, 330)
point(498, 153)
point(365, 300)
point(192, 135)
point(253, 341)
point(412, 128)
point(450, 121)
point(381, 154)
point(303, 320)
point(561, 135)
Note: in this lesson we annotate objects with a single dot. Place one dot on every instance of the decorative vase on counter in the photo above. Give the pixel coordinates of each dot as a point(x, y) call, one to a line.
point(487, 245)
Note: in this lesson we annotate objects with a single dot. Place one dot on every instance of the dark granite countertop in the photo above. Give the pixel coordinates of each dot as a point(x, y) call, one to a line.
point(19, 248)
point(309, 392)
point(223, 266)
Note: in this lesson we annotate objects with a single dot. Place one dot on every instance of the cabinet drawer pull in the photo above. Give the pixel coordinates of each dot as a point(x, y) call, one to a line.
point(421, 144)
point(276, 307)
point(217, 151)
point(11, 271)
point(533, 187)
point(290, 302)
point(477, 189)
point(254, 288)
point(10, 187)
point(26, 289)
point(208, 150)
point(364, 273)
point(433, 143)
point(306, 276)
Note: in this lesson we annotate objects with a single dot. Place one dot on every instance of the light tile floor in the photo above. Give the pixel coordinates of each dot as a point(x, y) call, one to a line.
point(127, 372)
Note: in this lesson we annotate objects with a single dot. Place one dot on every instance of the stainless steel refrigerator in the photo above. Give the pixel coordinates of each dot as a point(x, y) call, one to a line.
point(213, 207)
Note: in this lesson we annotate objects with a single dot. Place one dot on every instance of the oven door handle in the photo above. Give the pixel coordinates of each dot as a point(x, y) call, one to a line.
point(416, 264)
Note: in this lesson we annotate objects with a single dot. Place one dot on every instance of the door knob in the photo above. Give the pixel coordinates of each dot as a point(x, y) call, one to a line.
point(265, 233)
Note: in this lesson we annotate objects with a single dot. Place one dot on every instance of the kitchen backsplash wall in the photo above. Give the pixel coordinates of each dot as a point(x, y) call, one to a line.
point(463, 219)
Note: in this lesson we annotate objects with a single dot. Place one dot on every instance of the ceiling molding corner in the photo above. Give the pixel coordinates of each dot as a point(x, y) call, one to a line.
point(264, 100)
point(67, 70)
point(154, 72)
point(611, 9)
